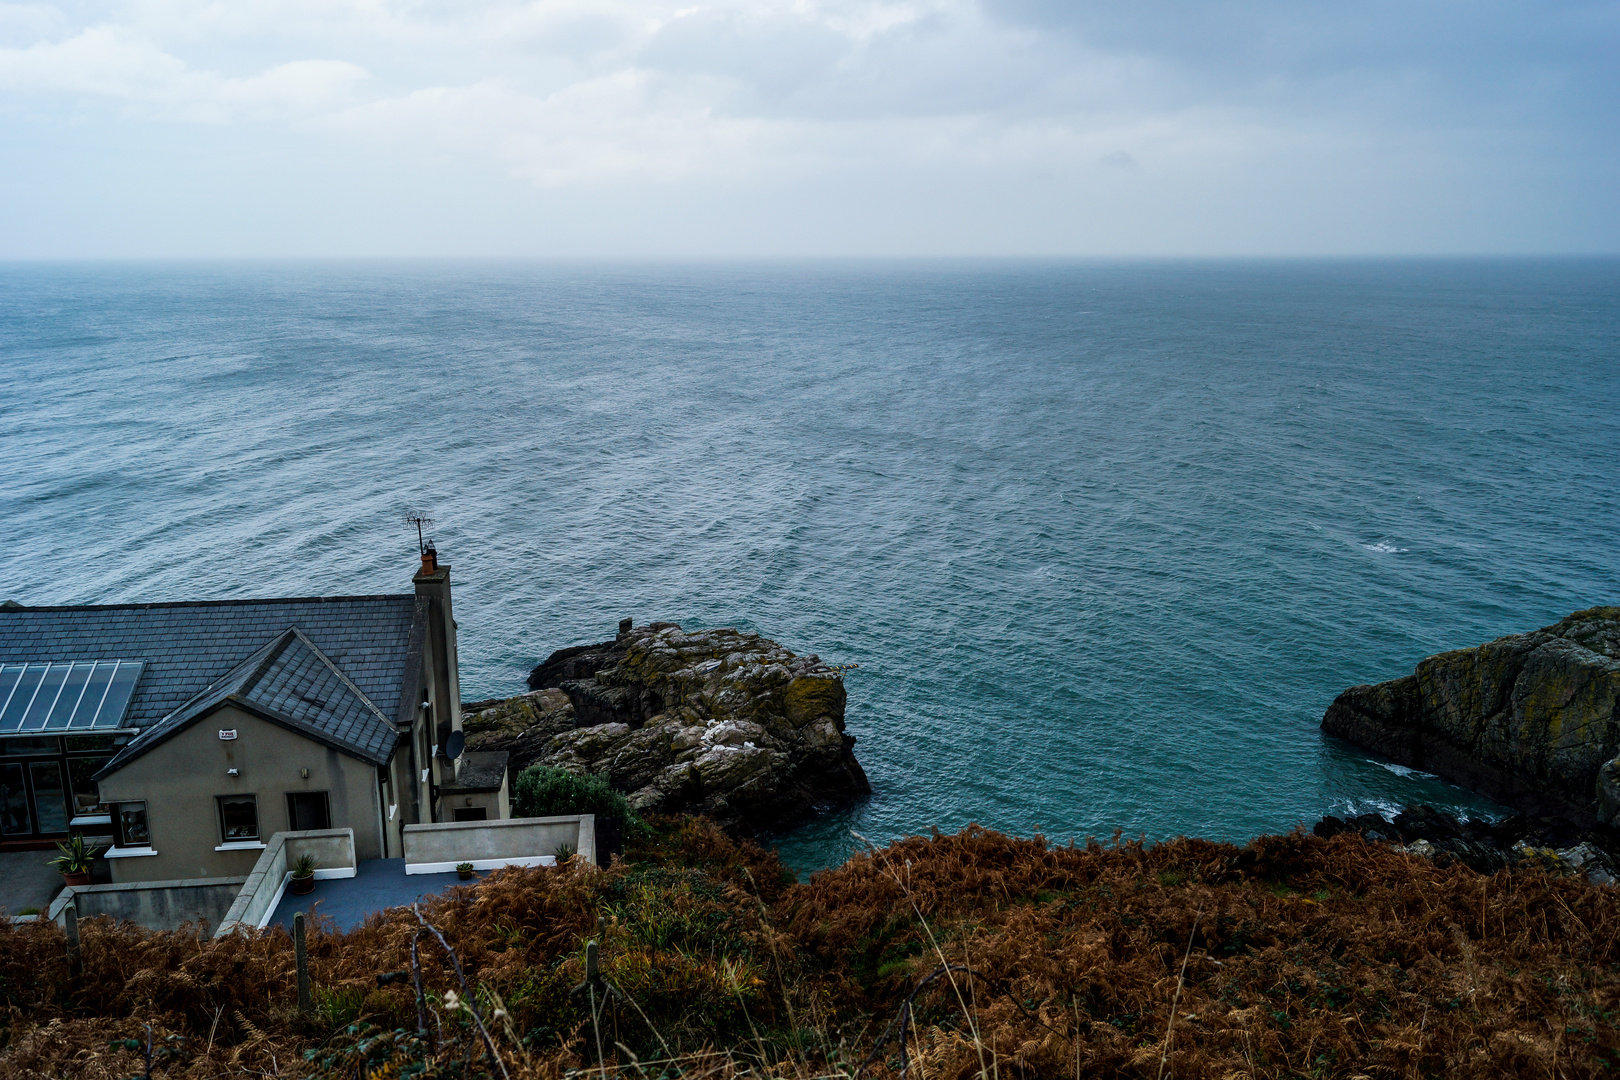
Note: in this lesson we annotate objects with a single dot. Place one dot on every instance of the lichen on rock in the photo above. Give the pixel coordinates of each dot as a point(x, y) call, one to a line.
point(522, 725)
point(722, 723)
point(1531, 720)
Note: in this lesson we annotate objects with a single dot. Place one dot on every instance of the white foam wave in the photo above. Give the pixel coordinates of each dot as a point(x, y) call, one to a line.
point(1349, 808)
point(1386, 547)
point(1404, 772)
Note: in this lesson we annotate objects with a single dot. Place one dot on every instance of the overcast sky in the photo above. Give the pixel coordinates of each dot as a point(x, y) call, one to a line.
point(808, 127)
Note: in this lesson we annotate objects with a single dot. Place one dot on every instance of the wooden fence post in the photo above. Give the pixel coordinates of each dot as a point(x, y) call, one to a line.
point(71, 927)
point(301, 955)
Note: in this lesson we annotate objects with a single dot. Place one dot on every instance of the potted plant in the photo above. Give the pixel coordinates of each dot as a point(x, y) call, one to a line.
point(75, 860)
point(464, 870)
point(564, 853)
point(303, 875)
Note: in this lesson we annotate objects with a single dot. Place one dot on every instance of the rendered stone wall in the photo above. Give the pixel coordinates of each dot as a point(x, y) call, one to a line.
point(490, 843)
point(156, 905)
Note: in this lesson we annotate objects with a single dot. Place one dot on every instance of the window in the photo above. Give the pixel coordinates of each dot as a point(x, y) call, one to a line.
point(81, 773)
point(471, 813)
point(30, 747)
point(238, 818)
point(86, 755)
point(54, 790)
point(307, 810)
point(129, 825)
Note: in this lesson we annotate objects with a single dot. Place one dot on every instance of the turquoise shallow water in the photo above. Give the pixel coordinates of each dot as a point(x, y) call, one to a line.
point(1104, 539)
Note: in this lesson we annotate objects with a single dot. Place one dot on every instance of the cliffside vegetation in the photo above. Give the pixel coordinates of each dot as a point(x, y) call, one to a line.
point(1293, 956)
point(541, 791)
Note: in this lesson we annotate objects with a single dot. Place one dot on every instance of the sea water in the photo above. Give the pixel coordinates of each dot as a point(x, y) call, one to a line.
point(1104, 539)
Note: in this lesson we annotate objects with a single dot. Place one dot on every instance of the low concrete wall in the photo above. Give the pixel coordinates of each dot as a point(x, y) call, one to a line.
point(332, 850)
point(156, 905)
point(488, 845)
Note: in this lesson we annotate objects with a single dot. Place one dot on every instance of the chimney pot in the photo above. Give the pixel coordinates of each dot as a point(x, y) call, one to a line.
point(430, 559)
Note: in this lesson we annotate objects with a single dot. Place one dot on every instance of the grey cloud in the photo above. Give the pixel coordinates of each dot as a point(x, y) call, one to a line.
point(773, 54)
point(580, 35)
point(789, 66)
point(526, 126)
point(1413, 64)
point(1497, 49)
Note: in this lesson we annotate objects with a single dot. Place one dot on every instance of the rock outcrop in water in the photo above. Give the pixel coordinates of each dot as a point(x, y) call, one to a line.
point(713, 722)
point(1530, 720)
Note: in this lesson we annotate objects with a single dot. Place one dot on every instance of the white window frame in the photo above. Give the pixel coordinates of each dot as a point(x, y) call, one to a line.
point(256, 842)
point(120, 850)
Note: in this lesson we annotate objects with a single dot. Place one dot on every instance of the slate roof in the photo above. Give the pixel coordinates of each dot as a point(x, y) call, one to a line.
point(480, 771)
point(289, 682)
point(189, 646)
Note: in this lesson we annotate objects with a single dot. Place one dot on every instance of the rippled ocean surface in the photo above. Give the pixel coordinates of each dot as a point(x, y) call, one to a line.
point(1105, 539)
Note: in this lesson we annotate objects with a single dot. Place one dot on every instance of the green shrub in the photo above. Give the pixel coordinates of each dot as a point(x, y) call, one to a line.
point(340, 1006)
point(542, 791)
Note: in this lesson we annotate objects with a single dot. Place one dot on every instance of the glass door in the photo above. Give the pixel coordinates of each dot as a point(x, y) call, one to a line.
point(14, 817)
point(50, 797)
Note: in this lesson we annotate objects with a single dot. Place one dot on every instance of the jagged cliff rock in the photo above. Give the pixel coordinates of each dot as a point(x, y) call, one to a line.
point(522, 725)
point(713, 722)
point(1531, 720)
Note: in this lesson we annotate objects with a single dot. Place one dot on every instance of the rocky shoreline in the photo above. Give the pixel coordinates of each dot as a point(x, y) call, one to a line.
point(720, 723)
point(735, 727)
point(1529, 720)
point(1554, 844)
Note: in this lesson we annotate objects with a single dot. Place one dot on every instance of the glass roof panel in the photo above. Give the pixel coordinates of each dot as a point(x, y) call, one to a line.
point(119, 693)
point(9, 674)
point(95, 692)
point(22, 696)
point(68, 698)
point(44, 697)
point(66, 695)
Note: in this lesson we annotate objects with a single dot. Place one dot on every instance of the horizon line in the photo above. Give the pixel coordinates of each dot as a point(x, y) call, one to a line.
point(20, 260)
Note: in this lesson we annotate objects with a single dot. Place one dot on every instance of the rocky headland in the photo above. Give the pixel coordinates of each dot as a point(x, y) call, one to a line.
point(721, 723)
point(1529, 720)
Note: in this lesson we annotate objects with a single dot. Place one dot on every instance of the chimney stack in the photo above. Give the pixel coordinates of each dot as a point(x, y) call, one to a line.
point(444, 673)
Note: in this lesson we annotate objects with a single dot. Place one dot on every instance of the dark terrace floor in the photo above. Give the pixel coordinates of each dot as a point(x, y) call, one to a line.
point(377, 884)
point(28, 881)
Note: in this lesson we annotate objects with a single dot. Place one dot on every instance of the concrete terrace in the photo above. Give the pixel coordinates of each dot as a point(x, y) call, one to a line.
point(347, 890)
point(27, 880)
point(377, 884)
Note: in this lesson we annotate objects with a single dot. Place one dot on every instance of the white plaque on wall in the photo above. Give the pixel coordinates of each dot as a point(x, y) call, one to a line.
point(227, 734)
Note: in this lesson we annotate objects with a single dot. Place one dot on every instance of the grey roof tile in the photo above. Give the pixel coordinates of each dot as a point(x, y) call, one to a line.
point(187, 646)
point(290, 682)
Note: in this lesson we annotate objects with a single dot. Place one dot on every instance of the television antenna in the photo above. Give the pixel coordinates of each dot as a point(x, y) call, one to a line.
point(419, 519)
